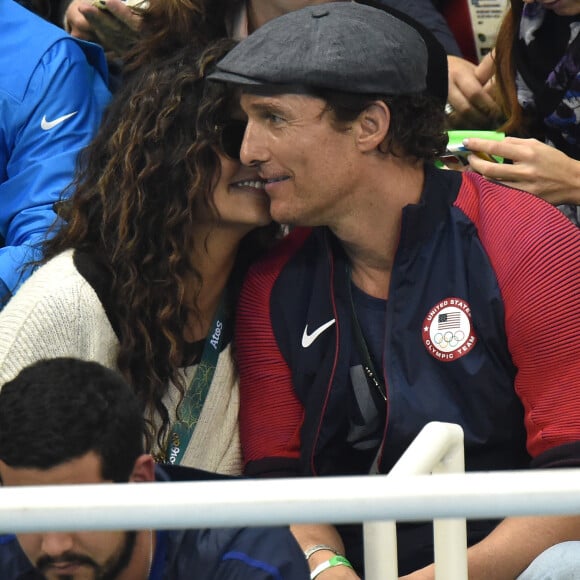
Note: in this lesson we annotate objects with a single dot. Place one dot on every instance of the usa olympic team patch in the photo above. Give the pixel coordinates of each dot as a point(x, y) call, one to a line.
point(447, 330)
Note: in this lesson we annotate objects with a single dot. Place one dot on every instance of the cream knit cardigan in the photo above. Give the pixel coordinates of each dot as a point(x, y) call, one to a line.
point(57, 313)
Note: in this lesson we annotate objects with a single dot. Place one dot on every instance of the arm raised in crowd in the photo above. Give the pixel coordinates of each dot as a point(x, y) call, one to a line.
point(114, 24)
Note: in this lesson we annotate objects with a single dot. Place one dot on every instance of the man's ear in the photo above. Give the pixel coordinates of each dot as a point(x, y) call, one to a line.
point(143, 469)
point(372, 126)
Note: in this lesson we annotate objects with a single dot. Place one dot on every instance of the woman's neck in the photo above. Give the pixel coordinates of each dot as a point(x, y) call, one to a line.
point(214, 259)
point(259, 12)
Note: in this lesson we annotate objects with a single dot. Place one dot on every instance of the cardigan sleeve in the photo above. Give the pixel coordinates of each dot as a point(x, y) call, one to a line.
point(55, 314)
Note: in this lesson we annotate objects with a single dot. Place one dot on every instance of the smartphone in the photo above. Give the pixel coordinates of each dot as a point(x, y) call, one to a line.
point(141, 4)
point(459, 154)
point(456, 154)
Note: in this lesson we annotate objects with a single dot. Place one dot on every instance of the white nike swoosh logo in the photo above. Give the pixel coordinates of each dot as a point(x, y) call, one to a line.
point(46, 125)
point(308, 339)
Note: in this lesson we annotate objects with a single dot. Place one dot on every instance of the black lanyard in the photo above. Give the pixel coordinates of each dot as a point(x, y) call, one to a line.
point(373, 378)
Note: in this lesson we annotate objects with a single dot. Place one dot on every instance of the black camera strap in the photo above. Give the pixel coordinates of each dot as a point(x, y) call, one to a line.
point(373, 378)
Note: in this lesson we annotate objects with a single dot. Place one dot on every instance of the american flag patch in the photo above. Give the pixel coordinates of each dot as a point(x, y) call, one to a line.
point(448, 320)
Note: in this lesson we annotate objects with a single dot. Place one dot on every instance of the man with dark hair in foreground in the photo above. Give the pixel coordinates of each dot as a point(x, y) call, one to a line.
point(66, 421)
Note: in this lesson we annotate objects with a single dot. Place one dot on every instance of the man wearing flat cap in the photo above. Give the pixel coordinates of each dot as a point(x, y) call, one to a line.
point(404, 293)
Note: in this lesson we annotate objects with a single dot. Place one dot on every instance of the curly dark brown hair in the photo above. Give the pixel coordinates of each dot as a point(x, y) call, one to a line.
point(133, 208)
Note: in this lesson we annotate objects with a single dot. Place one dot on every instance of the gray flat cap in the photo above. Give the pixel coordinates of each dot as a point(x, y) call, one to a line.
point(343, 46)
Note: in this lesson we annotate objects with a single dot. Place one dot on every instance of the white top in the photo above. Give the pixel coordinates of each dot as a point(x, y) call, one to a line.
point(57, 313)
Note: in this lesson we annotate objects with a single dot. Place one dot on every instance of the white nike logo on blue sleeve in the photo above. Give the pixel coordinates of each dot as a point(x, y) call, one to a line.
point(47, 125)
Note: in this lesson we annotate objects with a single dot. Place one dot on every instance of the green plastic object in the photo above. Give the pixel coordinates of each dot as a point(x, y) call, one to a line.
point(456, 149)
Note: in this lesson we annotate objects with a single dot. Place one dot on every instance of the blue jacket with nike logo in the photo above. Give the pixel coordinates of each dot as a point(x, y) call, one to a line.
point(481, 330)
point(53, 90)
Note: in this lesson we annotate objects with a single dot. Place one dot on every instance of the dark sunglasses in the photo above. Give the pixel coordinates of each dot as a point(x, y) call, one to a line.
point(231, 137)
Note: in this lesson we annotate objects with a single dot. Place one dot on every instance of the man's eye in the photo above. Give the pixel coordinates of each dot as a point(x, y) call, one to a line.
point(273, 118)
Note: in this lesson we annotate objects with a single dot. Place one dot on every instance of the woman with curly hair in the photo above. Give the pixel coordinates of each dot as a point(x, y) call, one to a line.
point(143, 277)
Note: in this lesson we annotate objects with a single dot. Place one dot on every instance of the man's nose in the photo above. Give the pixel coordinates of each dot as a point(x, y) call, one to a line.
point(253, 150)
point(56, 543)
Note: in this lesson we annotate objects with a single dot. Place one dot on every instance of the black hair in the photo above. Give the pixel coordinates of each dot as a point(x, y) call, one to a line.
point(60, 409)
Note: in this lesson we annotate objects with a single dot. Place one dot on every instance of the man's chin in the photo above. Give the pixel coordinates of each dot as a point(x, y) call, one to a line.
point(283, 216)
point(72, 572)
point(80, 567)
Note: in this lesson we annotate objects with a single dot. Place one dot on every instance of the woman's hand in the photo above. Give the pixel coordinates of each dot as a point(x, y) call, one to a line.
point(75, 22)
point(115, 25)
point(537, 168)
point(471, 94)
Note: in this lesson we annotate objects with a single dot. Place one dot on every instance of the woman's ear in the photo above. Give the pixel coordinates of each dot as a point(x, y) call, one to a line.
point(373, 126)
point(143, 469)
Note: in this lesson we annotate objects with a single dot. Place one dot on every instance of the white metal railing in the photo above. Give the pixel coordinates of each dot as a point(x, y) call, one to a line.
point(224, 503)
point(437, 449)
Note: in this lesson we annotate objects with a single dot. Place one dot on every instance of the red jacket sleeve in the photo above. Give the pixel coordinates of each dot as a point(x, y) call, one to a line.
point(535, 253)
point(270, 413)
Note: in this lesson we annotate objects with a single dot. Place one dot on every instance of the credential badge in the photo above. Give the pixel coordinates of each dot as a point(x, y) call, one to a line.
point(447, 330)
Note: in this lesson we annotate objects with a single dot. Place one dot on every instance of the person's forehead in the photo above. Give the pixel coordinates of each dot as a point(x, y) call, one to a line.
point(84, 469)
point(296, 103)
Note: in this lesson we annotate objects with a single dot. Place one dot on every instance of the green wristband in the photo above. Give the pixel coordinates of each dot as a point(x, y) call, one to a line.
point(334, 561)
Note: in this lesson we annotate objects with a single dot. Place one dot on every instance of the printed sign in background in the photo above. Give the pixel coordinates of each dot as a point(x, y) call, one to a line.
point(486, 17)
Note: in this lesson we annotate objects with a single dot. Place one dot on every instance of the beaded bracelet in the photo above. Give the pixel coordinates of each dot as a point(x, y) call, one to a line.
point(318, 548)
point(334, 561)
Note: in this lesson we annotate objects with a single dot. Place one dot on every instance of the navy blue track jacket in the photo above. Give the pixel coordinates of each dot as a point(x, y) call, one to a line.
point(481, 330)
